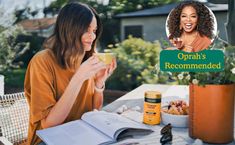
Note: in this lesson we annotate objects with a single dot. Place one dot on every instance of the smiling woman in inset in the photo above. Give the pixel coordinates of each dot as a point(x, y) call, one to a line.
point(191, 26)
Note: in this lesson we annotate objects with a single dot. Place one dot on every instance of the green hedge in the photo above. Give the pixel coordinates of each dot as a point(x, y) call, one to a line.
point(14, 78)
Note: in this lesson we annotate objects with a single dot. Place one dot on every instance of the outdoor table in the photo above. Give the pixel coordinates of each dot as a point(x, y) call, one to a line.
point(136, 98)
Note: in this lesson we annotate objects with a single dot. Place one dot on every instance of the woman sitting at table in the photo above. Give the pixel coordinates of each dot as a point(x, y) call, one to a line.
point(64, 80)
point(191, 26)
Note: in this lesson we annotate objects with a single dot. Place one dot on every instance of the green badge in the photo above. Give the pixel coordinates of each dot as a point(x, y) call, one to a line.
point(203, 61)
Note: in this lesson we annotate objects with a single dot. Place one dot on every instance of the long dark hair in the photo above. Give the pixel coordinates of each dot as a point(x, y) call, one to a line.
point(72, 22)
point(205, 20)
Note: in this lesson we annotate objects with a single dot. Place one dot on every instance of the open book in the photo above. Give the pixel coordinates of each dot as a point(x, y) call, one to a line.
point(95, 127)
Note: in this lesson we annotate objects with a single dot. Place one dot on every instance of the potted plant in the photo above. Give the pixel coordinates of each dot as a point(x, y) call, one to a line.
point(211, 101)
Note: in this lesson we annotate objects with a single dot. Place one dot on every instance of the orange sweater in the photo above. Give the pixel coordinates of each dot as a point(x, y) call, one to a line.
point(45, 82)
point(200, 43)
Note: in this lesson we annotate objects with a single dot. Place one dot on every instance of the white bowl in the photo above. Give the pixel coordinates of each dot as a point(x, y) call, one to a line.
point(174, 120)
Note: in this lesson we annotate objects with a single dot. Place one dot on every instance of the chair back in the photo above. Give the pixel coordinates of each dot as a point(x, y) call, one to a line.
point(14, 117)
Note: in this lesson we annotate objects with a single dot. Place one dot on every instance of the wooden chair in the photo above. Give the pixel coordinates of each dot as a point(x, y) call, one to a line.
point(14, 118)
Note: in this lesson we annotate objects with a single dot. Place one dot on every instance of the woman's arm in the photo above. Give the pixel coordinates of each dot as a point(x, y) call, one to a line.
point(98, 100)
point(61, 109)
point(98, 96)
point(100, 79)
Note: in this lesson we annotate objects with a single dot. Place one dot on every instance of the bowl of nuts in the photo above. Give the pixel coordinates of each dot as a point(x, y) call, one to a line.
point(175, 113)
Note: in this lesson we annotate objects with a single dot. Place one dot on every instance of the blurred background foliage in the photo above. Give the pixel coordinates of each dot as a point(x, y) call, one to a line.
point(136, 60)
point(10, 48)
point(107, 12)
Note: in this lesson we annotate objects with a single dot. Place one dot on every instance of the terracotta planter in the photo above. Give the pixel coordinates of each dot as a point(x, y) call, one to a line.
point(211, 113)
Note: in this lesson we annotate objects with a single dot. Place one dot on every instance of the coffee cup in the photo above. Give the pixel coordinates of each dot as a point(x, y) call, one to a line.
point(105, 57)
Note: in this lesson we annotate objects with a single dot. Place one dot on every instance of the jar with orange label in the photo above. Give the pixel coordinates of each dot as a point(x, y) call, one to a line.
point(152, 107)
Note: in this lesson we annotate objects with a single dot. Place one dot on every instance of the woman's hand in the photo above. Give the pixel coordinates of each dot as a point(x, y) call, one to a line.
point(177, 42)
point(188, 48)
point(102, 75)
point(90, 67)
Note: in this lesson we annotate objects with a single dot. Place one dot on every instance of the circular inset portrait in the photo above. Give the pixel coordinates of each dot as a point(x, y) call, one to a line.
point(191, 27)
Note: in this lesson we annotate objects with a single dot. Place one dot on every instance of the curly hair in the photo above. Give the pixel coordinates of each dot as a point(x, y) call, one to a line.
point(205, 25)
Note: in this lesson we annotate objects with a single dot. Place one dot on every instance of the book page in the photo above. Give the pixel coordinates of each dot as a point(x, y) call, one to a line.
point(73, 133)
point(110, 123)
point(151, 139)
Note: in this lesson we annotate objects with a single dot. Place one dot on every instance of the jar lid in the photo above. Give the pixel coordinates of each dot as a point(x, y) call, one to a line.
point(152, 94)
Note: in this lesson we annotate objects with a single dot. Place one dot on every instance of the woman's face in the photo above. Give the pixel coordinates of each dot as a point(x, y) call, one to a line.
point(89, 36)
point(188, 19)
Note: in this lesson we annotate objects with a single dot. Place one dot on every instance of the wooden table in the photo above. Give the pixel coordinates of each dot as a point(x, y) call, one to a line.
point(136, 98)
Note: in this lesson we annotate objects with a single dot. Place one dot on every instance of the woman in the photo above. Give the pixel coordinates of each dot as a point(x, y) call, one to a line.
point(64, 80)
point(191, 26)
